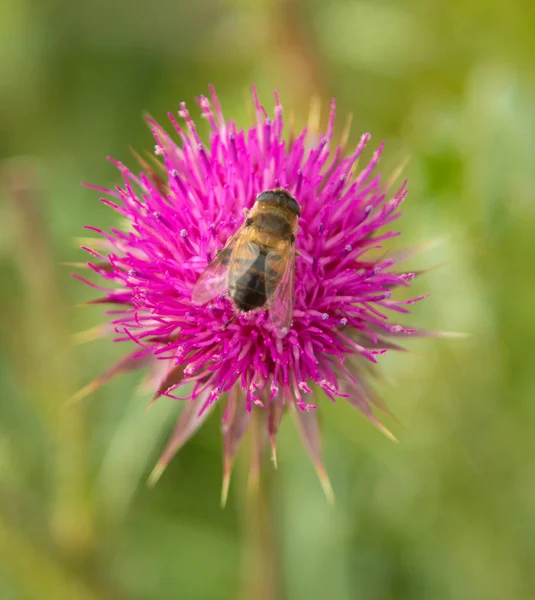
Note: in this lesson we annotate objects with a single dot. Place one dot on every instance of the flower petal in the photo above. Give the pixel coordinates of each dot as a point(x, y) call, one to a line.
point(275, 408)
point(130, 362)
point(359, 397)
point(187, 424)
point(172, 379)
point(258, 444)
point(307, 423)
point(233, 428)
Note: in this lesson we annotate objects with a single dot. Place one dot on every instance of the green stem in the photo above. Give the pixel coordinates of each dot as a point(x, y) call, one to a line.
point(260, 561)
point(297, 50)
point(36, 572)
point(45, 365)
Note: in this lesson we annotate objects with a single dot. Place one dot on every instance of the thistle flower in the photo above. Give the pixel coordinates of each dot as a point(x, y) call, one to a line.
point(179, 212)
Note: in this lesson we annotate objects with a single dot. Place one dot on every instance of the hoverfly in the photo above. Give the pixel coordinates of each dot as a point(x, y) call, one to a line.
point(256, 267)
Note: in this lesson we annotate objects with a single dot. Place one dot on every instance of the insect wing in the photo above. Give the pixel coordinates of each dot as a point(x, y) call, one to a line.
point(231, 261)
point(281, 294)
point(244, 255)
point(213, 280)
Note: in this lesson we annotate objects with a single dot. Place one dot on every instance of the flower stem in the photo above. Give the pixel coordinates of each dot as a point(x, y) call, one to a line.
point(37, 572)
point(297, 50)
point(260, 561)
point(46, 364)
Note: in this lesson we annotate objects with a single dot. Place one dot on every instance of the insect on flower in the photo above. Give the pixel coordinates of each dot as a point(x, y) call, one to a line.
point(252, 313)
point(257, 264)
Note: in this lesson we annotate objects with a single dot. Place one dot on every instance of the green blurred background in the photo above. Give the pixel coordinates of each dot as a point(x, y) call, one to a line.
point(449, 512)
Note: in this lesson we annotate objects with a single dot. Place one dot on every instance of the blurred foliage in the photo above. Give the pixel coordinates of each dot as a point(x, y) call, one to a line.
point(449, 512)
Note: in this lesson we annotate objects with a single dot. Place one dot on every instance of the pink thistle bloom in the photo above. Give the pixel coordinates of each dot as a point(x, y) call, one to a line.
point(180, 211)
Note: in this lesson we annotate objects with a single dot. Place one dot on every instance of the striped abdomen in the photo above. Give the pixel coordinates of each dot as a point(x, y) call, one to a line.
point(248, 291)
point(268, 232)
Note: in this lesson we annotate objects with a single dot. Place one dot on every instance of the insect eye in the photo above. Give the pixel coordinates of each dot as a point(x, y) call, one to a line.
point(266, 197)
point(281, 198)
point(294, 207)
